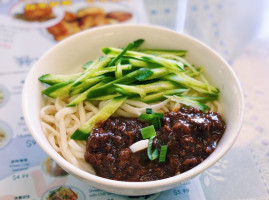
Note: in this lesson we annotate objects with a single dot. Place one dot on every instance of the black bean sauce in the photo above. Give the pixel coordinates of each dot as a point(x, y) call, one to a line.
point(190, 134)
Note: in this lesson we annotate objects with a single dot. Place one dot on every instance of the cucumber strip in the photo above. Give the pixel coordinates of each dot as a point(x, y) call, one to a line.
point(105, 97)
point(83, 96)
point(140, 63)
point(177, 58)
point(159, 96)
point(111, 69)
point(84, 131)
point(180, 53)
point(85, 85)
point(198, 83)
point(170, 64)
point(118, 71)
point(142, 90)
point(193, 74)
point(129, 90)
point(157, 86)
point(52, 79)
point(59, 89)
point(137, 44)
point(189, 102)
point(131, 46)
point(156, 73)
point(89, 72)
point(190, 82)
point(201, 99)
point(109, 88)
point(205, 92)
point(66, 89)
point(205, 81)
point(144, 76)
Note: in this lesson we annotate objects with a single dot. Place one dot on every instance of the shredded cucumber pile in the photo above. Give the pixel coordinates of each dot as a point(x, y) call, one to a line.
point(146, 75)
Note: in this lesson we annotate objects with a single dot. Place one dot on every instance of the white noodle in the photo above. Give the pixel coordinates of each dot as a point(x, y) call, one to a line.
point(59, 104)
point(138, 104)
point(76, 124)
point(64, 111)
point(47, 113)
point(49, 130)
point(102, 104)
point(52, 142)
point(89, 106)
point(77, 154)
point(130, 109)
point(85, 166)
point(82, 114)
point(89, 115)
point(74, 145)
point(59, 122)
point(219, 107)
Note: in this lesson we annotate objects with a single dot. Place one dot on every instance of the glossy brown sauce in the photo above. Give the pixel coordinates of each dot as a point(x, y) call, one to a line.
point(191, 137)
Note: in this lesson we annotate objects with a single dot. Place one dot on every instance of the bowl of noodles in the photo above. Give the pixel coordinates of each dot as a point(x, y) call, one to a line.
point(133, 109)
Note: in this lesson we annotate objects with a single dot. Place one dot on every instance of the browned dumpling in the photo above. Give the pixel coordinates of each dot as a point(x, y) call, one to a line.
point(84, 19)
point(120, 16)
point(70, 17)
point(64, 29)
point(38, 12)
point(93, 11)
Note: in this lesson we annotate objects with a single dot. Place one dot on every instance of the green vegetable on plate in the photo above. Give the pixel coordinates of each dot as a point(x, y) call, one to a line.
point(146, 75)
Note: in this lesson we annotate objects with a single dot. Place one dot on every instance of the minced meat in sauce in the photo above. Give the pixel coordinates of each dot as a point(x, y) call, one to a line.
point(190, 134)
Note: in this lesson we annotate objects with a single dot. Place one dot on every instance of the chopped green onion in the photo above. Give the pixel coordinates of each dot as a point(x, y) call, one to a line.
point(153, 118)
point(147, 117)
point(148, 110)
point(152, 155)
point(148, 132)
point(156, 121)
point(159, 115)
point(163, 153)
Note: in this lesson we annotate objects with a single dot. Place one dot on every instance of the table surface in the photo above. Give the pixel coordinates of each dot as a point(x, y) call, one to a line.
point(237, 29)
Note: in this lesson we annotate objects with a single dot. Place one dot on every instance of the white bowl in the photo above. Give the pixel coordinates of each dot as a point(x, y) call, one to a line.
point(76, 50)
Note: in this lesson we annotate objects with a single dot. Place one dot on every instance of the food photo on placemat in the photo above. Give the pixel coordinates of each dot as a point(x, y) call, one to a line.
point(145, 112)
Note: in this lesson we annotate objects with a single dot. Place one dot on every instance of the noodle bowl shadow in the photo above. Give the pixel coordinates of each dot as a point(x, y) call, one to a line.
point(73, 52)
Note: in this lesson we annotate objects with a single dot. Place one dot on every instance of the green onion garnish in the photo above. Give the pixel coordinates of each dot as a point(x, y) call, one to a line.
point(159, 115)
point(156, 121)
point(146, 117)
point(152, 155)
point(148, 110)
point(153, 118)
point(148, 132)
point(163, 153)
